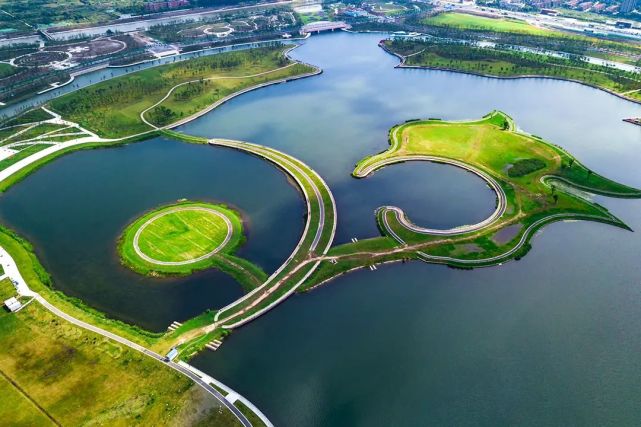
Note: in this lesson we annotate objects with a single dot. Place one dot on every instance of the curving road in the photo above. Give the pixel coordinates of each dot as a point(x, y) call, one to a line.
point(180, 368)
point(141, 254)
point(504, 256)
point(304, 177)
point(406, 223)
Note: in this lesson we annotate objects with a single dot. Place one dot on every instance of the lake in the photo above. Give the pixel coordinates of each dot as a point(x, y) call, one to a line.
point(552, 339)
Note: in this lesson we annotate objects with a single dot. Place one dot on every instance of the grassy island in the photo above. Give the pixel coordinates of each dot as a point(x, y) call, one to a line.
point(535, 182)
point(504, 62)
point(185, 237)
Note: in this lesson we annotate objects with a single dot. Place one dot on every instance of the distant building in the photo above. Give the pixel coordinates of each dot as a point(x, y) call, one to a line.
point(13, 304)
point(628, 6)
point(585, 5)
point(162, 50)
point(155, 6)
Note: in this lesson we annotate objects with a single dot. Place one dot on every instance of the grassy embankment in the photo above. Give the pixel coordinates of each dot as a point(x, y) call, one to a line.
point(513, 64)
point(475, 22)
point(112, 108)
point(452, 25)
point(534, 175)
point(185, 235)
point(54, 372)
point(298, 266)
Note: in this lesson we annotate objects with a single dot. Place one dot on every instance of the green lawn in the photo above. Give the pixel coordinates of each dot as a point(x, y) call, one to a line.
point(7, 290)
point(473, 22)
point(185, 233)
point(17, 407)
point(7, 70)
point(31, 116)
point(112, 108)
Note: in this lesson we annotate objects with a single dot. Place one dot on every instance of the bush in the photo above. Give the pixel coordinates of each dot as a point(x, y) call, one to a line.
point(524, 167)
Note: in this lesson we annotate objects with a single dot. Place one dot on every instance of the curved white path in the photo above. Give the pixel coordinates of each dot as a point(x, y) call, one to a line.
point(289, 166)
point(11, 271)
point(141, 254)
point(405, 222)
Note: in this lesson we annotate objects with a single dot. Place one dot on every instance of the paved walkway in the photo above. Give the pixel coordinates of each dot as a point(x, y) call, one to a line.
point(400, 214)
point(11, 271)
point(304, 177)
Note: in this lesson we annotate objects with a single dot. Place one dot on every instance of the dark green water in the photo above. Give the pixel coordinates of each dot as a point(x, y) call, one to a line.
point(550, 340)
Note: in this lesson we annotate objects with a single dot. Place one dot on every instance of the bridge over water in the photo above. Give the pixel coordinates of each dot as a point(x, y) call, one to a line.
point(317, 27)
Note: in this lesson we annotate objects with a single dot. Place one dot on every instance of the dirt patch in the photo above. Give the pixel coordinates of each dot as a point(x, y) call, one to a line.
point(40, 59)
point(91, 49)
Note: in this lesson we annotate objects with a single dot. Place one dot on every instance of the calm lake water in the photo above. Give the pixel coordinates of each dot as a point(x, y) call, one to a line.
point(550, 340)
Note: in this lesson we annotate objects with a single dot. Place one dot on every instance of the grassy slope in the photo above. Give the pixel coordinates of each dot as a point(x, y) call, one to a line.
point(473, 22)
point(77, 376)
point(31, 116)
point(112, 108)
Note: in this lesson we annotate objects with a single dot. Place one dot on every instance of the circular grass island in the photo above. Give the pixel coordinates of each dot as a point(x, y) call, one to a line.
point(180, 238)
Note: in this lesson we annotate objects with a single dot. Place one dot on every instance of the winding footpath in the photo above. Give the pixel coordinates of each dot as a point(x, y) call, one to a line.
point(11, 271)
point(400, 214)
point(91, 137)
point(318, 218)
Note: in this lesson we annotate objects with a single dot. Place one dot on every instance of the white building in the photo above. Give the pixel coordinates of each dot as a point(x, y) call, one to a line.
point(13, 304)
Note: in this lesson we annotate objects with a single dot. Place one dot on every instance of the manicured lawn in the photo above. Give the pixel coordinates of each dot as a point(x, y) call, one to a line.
point(184, 234)
point(473, 22)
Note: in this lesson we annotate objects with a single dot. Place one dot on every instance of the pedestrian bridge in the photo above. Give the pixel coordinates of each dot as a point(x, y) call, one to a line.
point(317, 27)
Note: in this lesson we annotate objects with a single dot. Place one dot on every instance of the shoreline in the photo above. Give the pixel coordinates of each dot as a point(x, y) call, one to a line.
point(403, 65)
point(45, 156)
